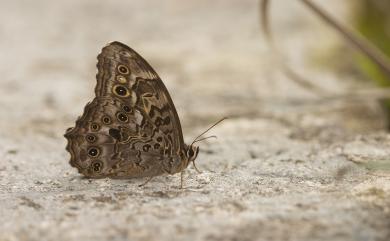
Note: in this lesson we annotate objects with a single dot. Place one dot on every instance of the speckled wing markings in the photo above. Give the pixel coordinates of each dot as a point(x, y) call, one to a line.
point(131, 128)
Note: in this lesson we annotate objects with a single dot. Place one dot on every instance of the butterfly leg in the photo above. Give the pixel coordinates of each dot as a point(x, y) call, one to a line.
point(143, 184)
point(181, 179)
point(197, 170)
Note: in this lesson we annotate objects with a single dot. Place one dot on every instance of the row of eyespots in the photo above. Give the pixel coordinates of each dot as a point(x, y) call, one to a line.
point(121, 116)
point(107, 119)
point(121, 90)
point(94, 152)
point(160, 121)
point(146, 147)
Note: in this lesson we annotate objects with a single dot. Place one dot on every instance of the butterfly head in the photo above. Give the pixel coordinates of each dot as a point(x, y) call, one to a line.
point(191, 153)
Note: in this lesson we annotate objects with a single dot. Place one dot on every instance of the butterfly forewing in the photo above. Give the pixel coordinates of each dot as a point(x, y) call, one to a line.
point(121, 67)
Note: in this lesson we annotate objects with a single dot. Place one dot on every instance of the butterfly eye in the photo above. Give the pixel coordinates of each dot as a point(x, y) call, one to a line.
point(122, 117)
point(90, 138)
point(123, 69)
point(97, 166)
point(190, 152)
point(121, 91)
point(95, 127)
point(106, 120)
point(93, 152)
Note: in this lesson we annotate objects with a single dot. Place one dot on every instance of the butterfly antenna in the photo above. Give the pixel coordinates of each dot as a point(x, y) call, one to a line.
point(211, 127)
point(205, 138)
point(193, 161)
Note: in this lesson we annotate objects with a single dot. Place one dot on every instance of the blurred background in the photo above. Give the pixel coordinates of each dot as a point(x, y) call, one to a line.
point(215, 61)
point(212, 56)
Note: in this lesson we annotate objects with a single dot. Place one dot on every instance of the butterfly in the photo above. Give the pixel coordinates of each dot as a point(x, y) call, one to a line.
point(131, 127)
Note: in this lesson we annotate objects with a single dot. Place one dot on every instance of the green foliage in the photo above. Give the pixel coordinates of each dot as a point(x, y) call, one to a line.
point(373, 21)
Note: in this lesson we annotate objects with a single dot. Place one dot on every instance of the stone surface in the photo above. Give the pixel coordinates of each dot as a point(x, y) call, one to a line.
point(289, 164)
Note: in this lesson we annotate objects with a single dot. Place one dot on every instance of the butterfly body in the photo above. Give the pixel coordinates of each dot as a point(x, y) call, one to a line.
point(131, 128)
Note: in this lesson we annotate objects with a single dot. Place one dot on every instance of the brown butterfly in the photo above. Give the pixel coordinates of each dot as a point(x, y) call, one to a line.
point(131, 128)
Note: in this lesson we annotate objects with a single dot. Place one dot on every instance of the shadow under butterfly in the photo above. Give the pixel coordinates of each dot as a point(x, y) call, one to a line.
point(131, 128)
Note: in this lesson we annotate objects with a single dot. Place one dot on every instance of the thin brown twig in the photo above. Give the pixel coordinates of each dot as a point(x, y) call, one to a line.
point(264, 17)
point(292, 74)
point(358, 41)
point(353, 96)
point(362, 94)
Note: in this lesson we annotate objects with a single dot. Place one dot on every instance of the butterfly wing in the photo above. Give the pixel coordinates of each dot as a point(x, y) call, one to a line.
point(131, 128)
point(121, 72)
